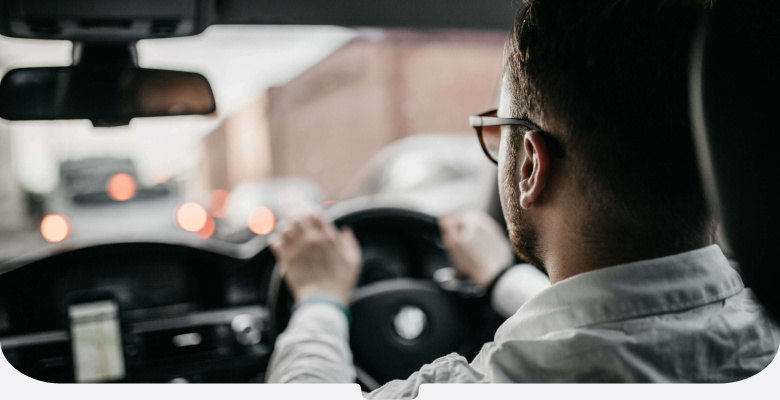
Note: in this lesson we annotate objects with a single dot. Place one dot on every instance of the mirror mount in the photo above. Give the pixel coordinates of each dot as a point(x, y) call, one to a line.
point(106, 54)
point(113, 54)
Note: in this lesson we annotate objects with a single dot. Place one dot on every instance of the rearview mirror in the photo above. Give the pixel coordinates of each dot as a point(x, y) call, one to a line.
point(105, 95)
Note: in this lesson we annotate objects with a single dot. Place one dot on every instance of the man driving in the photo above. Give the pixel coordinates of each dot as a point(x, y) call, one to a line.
point(599, 186)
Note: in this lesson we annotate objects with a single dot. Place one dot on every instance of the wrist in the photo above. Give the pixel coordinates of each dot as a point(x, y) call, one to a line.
point(303, 292)
point(496, 268)
point(488, 277)
point(326, 299)
point(492, 283)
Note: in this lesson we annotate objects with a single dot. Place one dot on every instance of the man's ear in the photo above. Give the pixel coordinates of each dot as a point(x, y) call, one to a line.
point(534, 169)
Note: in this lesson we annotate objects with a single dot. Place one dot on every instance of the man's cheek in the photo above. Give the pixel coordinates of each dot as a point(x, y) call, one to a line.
point(502, 170)
point(506, 189)
point(502, 186)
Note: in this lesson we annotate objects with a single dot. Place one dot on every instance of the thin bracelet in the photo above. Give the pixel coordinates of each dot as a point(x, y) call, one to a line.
point(324, 298)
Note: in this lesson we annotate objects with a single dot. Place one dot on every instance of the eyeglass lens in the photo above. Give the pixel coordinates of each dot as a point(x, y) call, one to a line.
point(491, 138)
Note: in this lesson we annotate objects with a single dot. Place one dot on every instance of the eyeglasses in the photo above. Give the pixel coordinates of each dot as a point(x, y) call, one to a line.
point(488, 126)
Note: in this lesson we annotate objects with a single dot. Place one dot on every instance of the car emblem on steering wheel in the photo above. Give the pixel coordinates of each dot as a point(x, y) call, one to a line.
point(410, 323)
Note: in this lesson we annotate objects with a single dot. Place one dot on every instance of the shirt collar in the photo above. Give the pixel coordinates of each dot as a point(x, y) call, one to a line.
point(647, 287)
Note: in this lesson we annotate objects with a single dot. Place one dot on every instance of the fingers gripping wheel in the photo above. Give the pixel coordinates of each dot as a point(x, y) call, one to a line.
point(401, 320)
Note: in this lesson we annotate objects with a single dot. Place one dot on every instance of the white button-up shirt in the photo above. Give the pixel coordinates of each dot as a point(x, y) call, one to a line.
point(681, 318)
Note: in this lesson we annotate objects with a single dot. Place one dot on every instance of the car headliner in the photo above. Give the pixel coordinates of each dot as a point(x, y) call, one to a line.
point(120, 20)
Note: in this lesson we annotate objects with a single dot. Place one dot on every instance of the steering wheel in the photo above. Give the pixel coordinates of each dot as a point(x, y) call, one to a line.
point(402, 317)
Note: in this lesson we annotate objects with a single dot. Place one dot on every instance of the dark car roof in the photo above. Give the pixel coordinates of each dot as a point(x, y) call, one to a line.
point(127, 21)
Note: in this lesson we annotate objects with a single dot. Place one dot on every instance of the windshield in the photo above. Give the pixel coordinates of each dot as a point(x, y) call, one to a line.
point(307, 117)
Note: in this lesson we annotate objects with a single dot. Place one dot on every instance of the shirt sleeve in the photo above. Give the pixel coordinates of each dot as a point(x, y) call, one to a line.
point(515, 287)
point(314, 348)
point(452, 368)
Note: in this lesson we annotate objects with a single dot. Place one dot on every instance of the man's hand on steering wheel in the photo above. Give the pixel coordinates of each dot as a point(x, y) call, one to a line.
point(315, 257)
point(476, 244)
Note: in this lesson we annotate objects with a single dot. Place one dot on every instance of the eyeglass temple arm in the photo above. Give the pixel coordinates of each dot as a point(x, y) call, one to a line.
point(475, 121)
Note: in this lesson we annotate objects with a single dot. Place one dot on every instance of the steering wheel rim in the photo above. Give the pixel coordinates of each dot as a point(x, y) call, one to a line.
point(386, 300)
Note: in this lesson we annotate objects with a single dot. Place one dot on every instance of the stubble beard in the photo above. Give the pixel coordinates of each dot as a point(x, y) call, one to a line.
point(522, 233)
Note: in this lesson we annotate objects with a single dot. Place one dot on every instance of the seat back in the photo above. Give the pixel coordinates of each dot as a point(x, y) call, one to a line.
point(735, 105)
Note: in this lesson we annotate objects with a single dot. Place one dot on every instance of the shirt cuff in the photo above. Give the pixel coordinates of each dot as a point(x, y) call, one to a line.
point(515, 287)
point(324, 299)
point(314, 348)
point(320, 317)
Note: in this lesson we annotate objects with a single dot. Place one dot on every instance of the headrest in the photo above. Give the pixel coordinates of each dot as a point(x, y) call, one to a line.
point(735, 105)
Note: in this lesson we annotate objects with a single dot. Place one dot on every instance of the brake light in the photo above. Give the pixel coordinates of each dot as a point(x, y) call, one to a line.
point(55, 228)
point(261, 220)
point(121, 187)
point(191, 217)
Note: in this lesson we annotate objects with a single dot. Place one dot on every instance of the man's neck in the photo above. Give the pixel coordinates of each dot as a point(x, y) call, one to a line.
point(566, 253)
point(570, 261)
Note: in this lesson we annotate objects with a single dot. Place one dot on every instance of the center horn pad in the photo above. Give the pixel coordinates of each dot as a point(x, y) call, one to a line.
point(399, 325)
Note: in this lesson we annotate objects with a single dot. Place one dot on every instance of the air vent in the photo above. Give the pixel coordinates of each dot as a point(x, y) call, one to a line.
point(201, 340)
point(164, 26)
point(44, 26)
point(105, 23)
point(48, 362)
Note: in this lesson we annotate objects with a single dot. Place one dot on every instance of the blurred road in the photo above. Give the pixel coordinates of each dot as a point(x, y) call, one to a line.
point(13, 244)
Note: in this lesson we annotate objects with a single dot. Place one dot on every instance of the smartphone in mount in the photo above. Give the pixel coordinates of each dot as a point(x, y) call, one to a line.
point(96, 340)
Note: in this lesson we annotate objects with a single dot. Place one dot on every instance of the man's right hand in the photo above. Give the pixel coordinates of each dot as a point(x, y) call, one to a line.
point(316, 258)
point(477, 246)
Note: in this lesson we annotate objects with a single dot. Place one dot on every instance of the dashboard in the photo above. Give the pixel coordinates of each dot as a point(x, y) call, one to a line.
point(147, 312)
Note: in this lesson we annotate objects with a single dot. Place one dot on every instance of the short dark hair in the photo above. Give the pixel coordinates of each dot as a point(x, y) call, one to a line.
point(608, 79)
